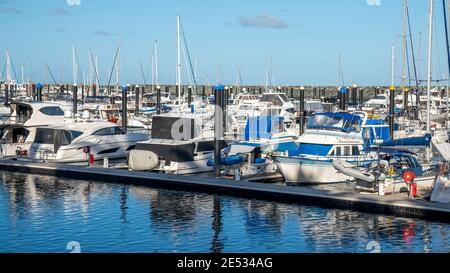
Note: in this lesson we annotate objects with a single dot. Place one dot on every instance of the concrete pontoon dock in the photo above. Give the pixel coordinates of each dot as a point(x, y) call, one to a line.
point(398, 204)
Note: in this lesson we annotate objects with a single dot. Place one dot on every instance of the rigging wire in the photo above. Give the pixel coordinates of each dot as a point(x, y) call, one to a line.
point(188, 54)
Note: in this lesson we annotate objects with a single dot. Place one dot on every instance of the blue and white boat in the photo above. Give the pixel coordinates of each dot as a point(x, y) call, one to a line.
point(329, 136)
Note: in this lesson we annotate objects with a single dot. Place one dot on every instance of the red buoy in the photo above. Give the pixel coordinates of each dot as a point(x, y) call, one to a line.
point(408, 177)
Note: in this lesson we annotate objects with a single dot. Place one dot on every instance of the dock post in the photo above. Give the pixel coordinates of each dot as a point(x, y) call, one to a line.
point(82, 93)
point(405, 99)
point(292, 92)
point(158, 100)
point(75, 100)
point(189, 96)
point(94, 90)
point(361, 97)
point(39, 91)
point(204, 92)
point(218, 127)
point(33, 92)
point(301, 110)
point(6, 94)
point(342, 95)
point(137, 90)
point(124, 108)
point(168, 91)
point(391, 110)
point(354, 94)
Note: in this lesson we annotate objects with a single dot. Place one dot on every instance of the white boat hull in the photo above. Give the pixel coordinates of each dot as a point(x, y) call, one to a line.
point(307, 171)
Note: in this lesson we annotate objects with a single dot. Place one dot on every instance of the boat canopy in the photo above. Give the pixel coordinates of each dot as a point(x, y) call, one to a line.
point(344, 122)
point(263, 127)
point(423, 141)
point(376, 130)
point(56, 137)
point(175, 128)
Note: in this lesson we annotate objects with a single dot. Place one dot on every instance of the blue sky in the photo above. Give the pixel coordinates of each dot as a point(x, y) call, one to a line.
point(303, 38)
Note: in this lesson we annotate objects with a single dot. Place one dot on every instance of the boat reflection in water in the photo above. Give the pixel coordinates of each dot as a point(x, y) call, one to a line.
point(43, 214)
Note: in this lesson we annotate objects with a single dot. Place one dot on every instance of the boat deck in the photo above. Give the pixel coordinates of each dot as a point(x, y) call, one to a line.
point(398, 204)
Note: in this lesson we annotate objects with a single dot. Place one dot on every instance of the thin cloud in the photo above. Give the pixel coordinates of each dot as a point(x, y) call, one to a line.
point(262, 21)
point(374, 2)
point(10, 11)
point(105, 33)
point(60, 30)
point(58, 11)
point(73, 2)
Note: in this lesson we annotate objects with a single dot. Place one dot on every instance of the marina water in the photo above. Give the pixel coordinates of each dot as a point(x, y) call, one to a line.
point(49, 214)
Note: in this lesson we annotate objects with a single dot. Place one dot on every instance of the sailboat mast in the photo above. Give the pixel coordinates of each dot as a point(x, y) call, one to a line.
point(405, 6)
point(156, 63)
point(23, 74)
point(393, 65)
point(8, 67)
point(118, 61)
point(430, 46)
point(74, 66)
point(178, 60)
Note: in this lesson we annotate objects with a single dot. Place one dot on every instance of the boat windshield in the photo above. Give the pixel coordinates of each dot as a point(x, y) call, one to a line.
point(334, 121)
point(272, 98)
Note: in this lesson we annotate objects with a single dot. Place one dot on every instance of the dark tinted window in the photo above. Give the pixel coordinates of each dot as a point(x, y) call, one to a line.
point(76, 134)
point(109, 131)
point(274, 99)
point(52, 111)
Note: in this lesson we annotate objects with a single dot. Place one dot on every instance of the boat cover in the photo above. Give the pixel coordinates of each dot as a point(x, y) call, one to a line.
point(263, 127)
point(140, 160)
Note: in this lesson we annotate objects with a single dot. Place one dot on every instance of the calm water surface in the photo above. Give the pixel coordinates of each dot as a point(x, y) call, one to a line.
point(44, 214)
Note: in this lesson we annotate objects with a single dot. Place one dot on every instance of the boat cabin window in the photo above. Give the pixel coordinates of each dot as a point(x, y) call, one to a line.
point(75, 134)
point(109, 131)
point(52, 136)
point(380, 97)
point(347, 150)
point(355, 150)
point(345, 123)
point(52, 111)
point(272, 98)
point(338, 151)
point(23, 113)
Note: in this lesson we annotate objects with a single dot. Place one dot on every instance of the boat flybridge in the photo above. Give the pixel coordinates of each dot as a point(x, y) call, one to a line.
point(17, 131)
point(180, 144)
point(379, 103)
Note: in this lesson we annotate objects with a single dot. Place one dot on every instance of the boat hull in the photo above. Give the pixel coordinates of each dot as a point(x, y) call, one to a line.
point(309, 171)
